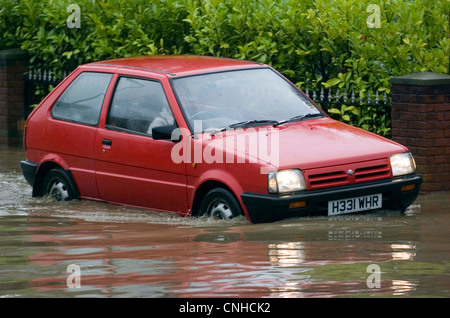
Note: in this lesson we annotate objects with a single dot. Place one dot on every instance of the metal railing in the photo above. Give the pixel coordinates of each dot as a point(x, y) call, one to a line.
point(37, 84)
point(370, 109)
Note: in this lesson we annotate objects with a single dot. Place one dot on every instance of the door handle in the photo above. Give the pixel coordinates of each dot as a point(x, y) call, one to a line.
point(107, 142)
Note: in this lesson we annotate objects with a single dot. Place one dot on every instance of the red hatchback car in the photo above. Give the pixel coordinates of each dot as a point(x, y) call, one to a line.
point(207, 136)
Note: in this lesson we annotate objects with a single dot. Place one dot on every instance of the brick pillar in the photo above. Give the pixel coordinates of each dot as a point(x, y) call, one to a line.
point(421, 121)
point(13, 65)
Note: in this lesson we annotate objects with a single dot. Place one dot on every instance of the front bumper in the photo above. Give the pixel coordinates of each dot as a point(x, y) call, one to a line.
point(270, 207)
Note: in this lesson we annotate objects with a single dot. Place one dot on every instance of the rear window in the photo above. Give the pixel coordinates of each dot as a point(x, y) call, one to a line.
point(82, 101)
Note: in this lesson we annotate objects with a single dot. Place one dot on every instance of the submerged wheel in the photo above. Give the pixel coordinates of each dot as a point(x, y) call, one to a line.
point(220, 204)
point(57, 185)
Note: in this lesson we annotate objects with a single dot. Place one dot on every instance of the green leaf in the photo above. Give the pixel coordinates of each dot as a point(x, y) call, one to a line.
point(334, 111)
point(332, 82)
point(346, 117)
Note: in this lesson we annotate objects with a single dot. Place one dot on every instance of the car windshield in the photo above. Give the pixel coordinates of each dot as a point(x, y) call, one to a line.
point(233, 99)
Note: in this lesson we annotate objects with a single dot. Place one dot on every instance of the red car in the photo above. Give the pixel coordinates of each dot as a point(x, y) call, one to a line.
point(207, 136)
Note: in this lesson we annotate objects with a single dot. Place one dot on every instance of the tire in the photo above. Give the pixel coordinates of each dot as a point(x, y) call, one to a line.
point(219, 203)
point(57, 185)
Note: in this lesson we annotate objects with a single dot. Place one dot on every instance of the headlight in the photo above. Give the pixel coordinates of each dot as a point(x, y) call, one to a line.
point(402, 163)
point(286, 181)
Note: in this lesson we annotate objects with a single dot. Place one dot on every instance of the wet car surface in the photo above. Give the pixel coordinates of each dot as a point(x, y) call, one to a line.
point(129, 252)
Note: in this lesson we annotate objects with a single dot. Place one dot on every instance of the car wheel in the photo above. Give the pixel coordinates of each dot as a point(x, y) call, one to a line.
point(220, 204)
point(57, 185)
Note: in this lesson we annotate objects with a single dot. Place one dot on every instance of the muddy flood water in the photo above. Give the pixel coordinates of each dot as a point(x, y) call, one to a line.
point(87, 249)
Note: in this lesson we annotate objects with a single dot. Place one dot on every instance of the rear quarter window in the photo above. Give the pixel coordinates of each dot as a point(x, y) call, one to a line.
point(82, 101)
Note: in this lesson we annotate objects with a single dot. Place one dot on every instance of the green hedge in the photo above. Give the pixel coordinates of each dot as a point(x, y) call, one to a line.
point(315, 43)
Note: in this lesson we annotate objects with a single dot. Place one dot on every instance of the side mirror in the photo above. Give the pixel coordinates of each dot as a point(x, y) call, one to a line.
point(170, 132)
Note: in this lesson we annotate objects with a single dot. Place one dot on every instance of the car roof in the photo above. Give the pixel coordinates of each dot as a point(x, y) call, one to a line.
point(179, 65)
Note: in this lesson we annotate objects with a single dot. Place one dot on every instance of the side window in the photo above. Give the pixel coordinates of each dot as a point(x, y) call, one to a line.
point(82, 101)
point(139, 105)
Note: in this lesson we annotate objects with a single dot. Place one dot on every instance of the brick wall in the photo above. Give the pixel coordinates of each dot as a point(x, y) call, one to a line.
point(421, 121)
point(13, 64)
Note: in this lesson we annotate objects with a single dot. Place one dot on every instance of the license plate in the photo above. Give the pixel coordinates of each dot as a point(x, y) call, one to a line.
point(350, 205)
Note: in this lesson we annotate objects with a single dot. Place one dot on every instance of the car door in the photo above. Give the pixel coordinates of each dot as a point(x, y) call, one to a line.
point(131, 167)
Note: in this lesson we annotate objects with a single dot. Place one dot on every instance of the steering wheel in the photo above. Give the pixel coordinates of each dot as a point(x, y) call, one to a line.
point(201, 114)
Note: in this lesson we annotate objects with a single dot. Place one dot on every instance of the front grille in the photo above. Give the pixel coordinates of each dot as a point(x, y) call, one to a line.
point(373, 172)
point(330, 179)
point(348, 174)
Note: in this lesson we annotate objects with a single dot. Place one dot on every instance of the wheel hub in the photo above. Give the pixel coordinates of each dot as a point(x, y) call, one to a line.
point(59, 191)
point(220, 210)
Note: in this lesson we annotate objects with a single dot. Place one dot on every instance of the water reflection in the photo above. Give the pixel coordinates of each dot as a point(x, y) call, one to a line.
point(220, 260)
point(404, 252)
point(287, 254)
point(402, 287)
point(157, 260)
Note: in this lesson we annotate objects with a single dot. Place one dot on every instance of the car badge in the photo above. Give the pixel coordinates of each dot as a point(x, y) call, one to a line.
point(350, 172)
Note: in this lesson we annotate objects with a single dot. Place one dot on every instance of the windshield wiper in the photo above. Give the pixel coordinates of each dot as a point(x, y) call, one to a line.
point(243, 124)
point(298, 117)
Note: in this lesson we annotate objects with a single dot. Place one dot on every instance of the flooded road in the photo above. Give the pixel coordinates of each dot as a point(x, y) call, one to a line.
point(88, 249)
